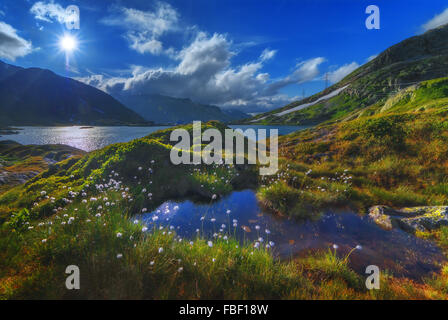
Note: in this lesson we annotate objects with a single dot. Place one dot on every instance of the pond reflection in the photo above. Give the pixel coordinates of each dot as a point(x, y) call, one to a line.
point(239, 215)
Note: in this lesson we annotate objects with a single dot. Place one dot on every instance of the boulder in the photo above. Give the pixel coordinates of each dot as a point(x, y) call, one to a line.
point(410, 219)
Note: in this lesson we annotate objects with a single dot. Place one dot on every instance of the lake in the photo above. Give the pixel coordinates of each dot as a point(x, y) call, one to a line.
point(94, 138)
point(397, 251)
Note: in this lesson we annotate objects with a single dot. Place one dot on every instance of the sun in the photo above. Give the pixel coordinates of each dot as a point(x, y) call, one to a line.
point(68, 43)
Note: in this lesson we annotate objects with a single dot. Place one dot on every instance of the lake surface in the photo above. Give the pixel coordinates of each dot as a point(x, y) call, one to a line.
point(397, 251)
point(98, 137)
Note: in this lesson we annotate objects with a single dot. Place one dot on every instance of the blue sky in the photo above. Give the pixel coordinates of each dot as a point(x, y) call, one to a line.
point(254, 55)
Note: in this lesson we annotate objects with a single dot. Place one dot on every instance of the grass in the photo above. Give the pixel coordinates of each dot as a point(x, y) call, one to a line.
point(79, 212)
point(33, 262)
point(397, 159)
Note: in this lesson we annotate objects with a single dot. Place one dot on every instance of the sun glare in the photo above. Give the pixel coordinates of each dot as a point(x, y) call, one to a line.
point(68, 43)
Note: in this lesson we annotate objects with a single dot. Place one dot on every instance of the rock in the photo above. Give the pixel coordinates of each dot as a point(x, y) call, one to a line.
point(382, 216)
point(410, 219)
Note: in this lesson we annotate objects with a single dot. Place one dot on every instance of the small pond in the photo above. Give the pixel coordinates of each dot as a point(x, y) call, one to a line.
point(240, 215)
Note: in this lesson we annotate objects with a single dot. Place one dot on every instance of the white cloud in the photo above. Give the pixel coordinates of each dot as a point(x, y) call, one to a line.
point(267, 54)
point(143, 29)
point(342, 72)
point(438, 20)
point(305, 71)
point(49, 12)
point(205, 56)
point(12, 45)
point(204, 74)
point(142, 44)
point(371, 57)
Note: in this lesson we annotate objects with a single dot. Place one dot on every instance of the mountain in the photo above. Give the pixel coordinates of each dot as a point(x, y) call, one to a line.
point(364, 91)
point(169, 110)
point(33, 96)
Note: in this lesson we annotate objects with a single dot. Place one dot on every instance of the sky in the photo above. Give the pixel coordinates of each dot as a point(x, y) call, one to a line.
point(252, 55)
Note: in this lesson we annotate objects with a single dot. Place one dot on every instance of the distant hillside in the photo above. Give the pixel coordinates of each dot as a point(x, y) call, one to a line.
point(169, 110)
point(36, 96)
point(364, 91)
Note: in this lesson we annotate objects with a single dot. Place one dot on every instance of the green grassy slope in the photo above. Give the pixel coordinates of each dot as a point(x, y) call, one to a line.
point(19, 163)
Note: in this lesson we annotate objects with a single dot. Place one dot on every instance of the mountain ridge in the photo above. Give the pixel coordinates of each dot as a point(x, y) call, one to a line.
point(36, 96)
point(170, 110)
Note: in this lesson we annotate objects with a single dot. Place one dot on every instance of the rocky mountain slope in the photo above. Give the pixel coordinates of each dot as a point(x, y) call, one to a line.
point(364, 92)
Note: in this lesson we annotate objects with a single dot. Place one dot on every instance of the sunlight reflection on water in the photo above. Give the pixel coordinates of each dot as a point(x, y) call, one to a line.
point(93, 138)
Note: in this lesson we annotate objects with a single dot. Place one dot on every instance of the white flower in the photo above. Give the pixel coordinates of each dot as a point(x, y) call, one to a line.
point(144, 229)
point(212, 219)
point(335, 246)
point(180, 269)
point(267, 231)
point(228, 211)
point(136, 221)
point(144, 210)
point(43, 193)
point(119, 235)
point(44, 240)
point(271, 243)
point(358, 247)
point(214, 196)
point(210, 244)
point(151, 263)
point(257, 227)
point(160, 250)
point(119, 256)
